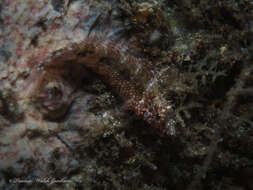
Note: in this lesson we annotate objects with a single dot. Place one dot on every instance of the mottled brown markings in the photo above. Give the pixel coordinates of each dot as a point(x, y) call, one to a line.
point(115, 66)
point(84, 53)
point(125, 74)
point(107, 60)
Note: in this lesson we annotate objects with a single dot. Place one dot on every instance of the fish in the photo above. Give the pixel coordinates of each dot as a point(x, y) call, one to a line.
point(105, 50)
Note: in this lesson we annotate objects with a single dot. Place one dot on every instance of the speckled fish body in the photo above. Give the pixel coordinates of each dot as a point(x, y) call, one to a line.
point(85, 34)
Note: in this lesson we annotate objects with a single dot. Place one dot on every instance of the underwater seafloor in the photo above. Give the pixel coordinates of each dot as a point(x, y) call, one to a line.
point(79, 134)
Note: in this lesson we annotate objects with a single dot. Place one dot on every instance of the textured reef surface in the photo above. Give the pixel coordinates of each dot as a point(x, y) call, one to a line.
point(136, 94)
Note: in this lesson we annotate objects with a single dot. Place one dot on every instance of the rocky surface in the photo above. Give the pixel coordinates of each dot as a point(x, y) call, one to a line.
point(70, 124)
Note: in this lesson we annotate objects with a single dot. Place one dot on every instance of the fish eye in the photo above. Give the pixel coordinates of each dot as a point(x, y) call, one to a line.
point(55, 92)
